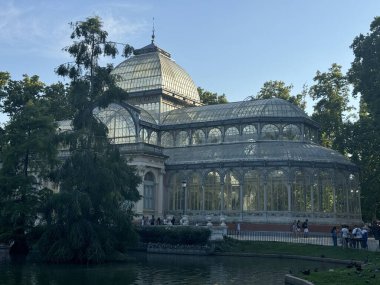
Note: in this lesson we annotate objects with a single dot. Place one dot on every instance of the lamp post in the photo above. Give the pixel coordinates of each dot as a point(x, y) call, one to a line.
point(184, 184)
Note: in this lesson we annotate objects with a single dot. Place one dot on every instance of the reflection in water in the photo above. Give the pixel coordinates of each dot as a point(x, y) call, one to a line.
point(158, 269)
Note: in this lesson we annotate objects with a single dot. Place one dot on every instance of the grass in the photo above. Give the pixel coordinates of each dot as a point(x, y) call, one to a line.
point(368, 273)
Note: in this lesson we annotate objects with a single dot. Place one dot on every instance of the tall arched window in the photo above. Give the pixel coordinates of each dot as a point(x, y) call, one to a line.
point(232, 135)
point(269, 132)
point(167, 139)
point(212, 192)
point(231, 192)
point(194, 192)
point(153, 138)
point(277, 193)
point(120, 125)
point(299, 197)
point(215, 136)
point(253, 194)
point(340, 193)
point(149, 191)
point(326, 191)
point(249, 133)
point(144, 135)
point(198, 137)
point(175, 193)
point(182, 139)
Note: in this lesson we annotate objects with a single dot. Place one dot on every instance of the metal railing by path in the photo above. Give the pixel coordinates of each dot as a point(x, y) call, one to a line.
point(311, 238)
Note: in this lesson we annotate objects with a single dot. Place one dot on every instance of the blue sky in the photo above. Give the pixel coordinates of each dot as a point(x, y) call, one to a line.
point(229, 47)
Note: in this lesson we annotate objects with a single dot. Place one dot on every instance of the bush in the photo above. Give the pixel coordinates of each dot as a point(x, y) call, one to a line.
point(174, 235)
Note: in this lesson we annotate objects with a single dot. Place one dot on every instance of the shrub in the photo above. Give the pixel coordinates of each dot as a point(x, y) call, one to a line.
point(174, 235)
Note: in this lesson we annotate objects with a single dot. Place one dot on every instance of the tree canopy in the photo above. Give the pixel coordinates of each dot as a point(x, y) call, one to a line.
point(89, 220)
point(210, 98)
point(28, 153)
point(278, 89)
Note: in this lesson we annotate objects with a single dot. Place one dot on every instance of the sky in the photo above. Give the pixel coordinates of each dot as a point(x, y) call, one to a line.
point(228, 47)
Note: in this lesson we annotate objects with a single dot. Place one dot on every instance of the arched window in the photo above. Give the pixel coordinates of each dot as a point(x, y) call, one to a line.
point(291, 132)
point(182, 139)
point(325, 192)
point(231, 134)
point(194, 192)
point(212, 192)
point(231, 192)
point(353, 194)
point(153, 138)
point(249, 133)
point(167, 139)
point(215, 136)
point(301, 195)
point(175, 193)
point(253, 196)
point(340, 193)
point(149, 191)
point(198, 137)
point(269, 132)
point(120, 125)
point(277, 193)
point(144, 135)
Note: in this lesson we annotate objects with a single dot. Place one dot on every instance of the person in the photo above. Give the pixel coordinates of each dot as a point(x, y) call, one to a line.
point(173, 221)
point(152, 221)
point(334, 236)
point(238, 228)
point(142, 221)
point(364, 238)
point(158, 222)
point(305, 227)
point(344, 233)
point(298, 226)
point(293, 227)
point(357, 236)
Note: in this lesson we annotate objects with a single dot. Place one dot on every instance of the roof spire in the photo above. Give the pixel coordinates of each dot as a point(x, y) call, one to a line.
point(153, 36)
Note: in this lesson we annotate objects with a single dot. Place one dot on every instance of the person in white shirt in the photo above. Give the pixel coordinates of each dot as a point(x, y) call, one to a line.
point(344, 233)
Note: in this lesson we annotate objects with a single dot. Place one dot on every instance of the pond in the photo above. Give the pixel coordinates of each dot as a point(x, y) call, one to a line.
point(158, 269)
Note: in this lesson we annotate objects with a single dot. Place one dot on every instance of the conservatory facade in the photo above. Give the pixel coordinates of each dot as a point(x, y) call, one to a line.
point(254, 161)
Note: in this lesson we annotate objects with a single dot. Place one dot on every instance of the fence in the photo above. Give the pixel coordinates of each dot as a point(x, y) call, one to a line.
point(311, 238)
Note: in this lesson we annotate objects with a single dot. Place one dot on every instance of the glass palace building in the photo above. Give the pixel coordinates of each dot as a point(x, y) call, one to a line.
point(255, 161)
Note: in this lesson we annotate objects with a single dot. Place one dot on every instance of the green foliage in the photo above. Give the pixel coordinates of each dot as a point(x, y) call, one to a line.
point(209, 98)
point(278, 89)
point(90, 219)
point(364, 73)
point(174, 235)
point(331, 91)
point(28, 150)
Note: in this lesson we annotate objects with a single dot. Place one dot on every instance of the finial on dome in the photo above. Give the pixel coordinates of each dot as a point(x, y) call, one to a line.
point(153, 36)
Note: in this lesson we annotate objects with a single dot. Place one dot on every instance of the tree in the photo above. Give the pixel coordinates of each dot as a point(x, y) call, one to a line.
point(331, 91)
point(89, 220)
point(28, 154)
point(278, 89)
point(364, 73)
point(209, 98)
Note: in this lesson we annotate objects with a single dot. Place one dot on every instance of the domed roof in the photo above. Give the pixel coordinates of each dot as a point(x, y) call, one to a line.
point(258, 108)
point(151, 68)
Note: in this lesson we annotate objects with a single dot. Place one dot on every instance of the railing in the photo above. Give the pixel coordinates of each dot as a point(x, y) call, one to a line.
point(309, 238)
point(299, 237)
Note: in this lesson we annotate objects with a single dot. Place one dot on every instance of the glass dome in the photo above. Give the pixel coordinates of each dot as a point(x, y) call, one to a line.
point(151, 68)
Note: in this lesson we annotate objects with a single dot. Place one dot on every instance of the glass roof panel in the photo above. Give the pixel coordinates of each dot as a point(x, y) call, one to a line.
point(255, 151)
point(274, 107)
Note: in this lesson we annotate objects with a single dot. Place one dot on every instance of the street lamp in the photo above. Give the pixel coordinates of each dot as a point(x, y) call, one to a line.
point(184, 184)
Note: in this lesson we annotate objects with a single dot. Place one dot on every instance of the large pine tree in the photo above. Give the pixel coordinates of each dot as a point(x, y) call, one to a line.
point(89, 220)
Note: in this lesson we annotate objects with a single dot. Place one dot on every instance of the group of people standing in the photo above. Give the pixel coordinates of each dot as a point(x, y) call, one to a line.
point(356, 237)
point(298, 228)
point(145, 221)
